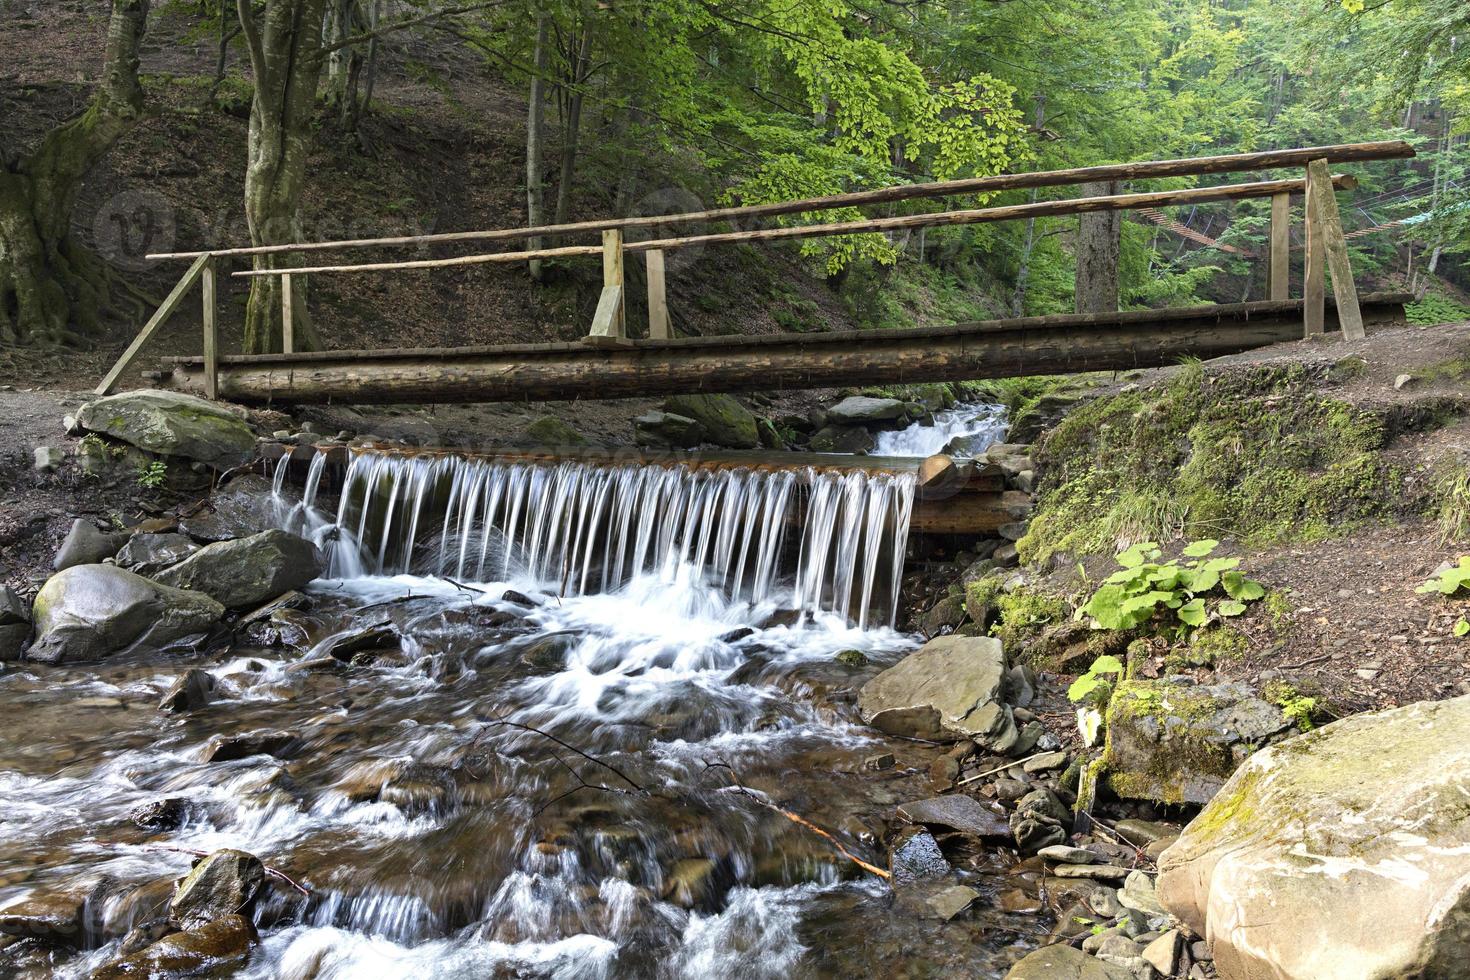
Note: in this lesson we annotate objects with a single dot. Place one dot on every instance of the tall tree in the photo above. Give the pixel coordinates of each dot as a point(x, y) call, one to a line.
point(51, 287)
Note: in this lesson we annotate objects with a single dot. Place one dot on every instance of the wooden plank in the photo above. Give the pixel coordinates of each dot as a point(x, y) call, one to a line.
point(652, 369)
point(1344, 290)
point(1279, 274)
point(659, 327)
point(1041, 209)
point(211, 331)
point(288, 323)
point(160, 316)
point(1312, 291)
point(1142, 170)
point(612, 275)
point(605, 320)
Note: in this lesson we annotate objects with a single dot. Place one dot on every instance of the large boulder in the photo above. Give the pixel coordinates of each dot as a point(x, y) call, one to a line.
point(149, 554)
point(93, 611)
point(1341, 853)
point(244, 573)
point(172, 424)
point(726, 422)
point(1174, 742)
point(224, 883)
point(948, 689)
point(885, 413)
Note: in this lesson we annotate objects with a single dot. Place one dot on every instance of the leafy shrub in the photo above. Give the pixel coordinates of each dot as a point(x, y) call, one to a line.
point(1091, 693)
point(1436, 308)
point(153, 475)
point(1176, 595)
point(1447, 582)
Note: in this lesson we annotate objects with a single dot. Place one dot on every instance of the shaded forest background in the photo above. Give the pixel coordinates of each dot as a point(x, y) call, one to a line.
point(381, 117)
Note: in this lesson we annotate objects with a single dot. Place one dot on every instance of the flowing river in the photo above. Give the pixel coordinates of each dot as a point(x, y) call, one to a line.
point(539, 722)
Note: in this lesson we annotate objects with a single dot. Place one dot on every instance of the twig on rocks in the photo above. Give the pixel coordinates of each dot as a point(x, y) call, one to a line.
point(462, 587)
point(1008, 765)
point(273, 872)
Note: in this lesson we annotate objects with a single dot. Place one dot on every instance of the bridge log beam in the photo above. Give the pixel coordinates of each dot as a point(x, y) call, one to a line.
point(1064, 344)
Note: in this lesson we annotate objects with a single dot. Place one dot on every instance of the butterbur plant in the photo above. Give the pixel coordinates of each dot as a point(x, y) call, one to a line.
point(1091, 693)
point(1179, 595)
point(1448, 582)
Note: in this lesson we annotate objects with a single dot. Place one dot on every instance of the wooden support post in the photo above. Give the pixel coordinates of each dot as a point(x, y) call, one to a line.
point(288, 326)
point(609, 326)
point(160, 316)
point(211, 332)
point(1279, 271)
point(659, 327)
point(1344, 290)
point(1314, 305)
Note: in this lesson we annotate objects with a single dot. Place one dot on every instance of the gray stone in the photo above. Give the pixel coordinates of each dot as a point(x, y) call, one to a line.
point(228, 748)
point(242, 508)
point(13, 640)
point(1163, 953)
point(47, 459)
point(943, 617)
point(1144, 832)
point(1062, 962)
point(93, 611)
point(664, 430)
point(192, 689)
point(13, 609)
point(726, 422)
point(224, 883)
point(1038, 821)
point(863, 410)
point(149, 554)
point(244, 573)
point(1178, 743)
point(949, 901)
point(165, 814)
point(956, 812)
point(172, 424)
point(850, 439)
point(1138, 893)
point(916, 857)
point(1066, 854)
point(1096, 872)
point(1125, 953)
point(949, 688)
point(86, 545)
point(1045, 762)
point(1343, 852)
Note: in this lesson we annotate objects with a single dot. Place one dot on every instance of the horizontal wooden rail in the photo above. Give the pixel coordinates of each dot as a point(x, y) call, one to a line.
point(1144, 170)
point(1115, 202)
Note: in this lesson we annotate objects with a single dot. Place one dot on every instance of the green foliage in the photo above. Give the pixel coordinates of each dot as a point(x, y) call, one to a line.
point(1096, 684)
point(1448, 581)
point(1436, 308)
point(153, 474)
point(1147, 590)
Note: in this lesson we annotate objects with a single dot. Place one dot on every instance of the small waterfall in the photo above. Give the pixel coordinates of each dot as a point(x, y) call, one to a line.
point(977, 425)
point(829, 541)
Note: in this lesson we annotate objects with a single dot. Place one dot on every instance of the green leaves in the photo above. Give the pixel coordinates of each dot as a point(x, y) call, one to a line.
point(1094, 680)
point(1448, 581)
point(1145, 589)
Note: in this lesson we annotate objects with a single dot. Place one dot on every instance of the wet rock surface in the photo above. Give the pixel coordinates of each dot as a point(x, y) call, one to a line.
point(89, 612)
point(949, 688)
point(246, 572)
point(224, 883)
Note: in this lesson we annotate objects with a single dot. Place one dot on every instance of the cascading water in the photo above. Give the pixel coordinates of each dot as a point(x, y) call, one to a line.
point(578, 527)
point(974, 426)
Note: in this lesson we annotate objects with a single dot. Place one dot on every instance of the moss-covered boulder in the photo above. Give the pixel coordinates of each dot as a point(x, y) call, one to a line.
point(1174, 742)
point(172, 424)
point(550, 432)
point(89, 612)
point(726, 422)
point(842, 439)
point(1344, 852)
point(247, 572)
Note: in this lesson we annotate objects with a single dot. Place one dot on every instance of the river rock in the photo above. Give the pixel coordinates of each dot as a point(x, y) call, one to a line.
point(943, 617)
point(192, 689)
point(1038, 821)
point(166, 814)
point(1138, 894)
point(665, 430)
point(957, 812)
point(1178, 743)
point(210, 948)
point(65, 914)
point(847, 439)
point(861, 410)
point(1066, 963)
point(916, 857)
point(149, 554)
point(947, 689)
point(224, 883)
point(15, 625)
point(1344, 852)
point(172, 424)
point(243, 574)
point(1066, 854)
point(1163, 953)
point(244, 507)
point(86, 545)
point(228, 748)
point(940, 901)
point(93, 611)
point(726, 422)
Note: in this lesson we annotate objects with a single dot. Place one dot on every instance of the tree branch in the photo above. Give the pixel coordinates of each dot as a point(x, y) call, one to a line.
point(407, 23)
point(252, 39)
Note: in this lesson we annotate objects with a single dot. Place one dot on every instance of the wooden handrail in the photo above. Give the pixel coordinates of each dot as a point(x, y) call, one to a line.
point(1198, 166)
point(1113, 202)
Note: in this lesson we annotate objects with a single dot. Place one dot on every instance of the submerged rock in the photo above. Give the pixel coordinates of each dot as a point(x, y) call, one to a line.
point(243, 574)
point(949, 688)
point(212, 947)
point(1344, 852)
point(192, 689)
point(172, 424)
point(916, 857)
point(222, 884)
point(1178, 743)
point(725, 421)
point(86, 545)
point(93, 611)
point(67, 914)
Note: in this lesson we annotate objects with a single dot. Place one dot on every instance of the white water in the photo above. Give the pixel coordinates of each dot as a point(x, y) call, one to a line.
point(986, 421)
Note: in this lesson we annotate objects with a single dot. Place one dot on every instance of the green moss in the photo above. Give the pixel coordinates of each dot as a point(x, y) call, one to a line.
point(1279, 608)
point(1255, 453)
point(1022, 613)
point(1215, 644)
point(1179, 710)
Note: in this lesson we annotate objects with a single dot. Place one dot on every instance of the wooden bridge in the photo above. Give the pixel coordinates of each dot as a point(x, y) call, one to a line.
point(610, 363)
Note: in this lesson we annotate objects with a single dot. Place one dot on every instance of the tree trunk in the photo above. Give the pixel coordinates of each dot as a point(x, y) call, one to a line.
point(535, 139)
point(1098, 240)
point(580, 71)
point(286, 60)
point(1023, 272)
point(51, 288)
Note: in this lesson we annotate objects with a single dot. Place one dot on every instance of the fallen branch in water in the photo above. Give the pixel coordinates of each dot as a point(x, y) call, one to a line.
point(496, 720)
point(465, 588)
point(1008, 765)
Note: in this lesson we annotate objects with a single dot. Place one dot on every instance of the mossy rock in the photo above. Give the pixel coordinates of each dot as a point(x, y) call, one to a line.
point(172, 424)
point(726, 422)
point(550, 431)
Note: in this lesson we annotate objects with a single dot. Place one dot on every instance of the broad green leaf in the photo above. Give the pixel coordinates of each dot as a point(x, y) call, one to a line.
point(1230, 607)
point(1204, 580)
point(1461, 628)
point(1237, 586)
point(1082, 687)
point(1192, 612)
point(1198, 549)
point(1135, 555)
point(1106, 664)
point(1221, 564)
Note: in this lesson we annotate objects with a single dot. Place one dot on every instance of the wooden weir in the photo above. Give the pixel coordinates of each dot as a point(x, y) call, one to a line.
point(609, 363)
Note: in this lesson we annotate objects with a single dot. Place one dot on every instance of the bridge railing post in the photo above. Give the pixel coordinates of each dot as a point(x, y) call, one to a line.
point(609, 324)
point(1313, 295)
point(659, 327)
point(1322, 200)
point(207, 285)
point(288, 324)
point(1278, 272)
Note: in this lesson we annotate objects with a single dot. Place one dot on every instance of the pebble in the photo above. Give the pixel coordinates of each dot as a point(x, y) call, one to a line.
point(883, 760)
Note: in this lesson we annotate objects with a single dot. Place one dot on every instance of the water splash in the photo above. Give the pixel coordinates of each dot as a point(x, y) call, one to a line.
point(980, 424)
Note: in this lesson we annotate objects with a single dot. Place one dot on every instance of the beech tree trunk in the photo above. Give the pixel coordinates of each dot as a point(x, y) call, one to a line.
point(535, 141)
point(286, 59)
point(52, 289)
point(1099, 237)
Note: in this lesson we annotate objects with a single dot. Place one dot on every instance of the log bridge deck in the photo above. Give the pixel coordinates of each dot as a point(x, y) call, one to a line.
point(610, 363)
